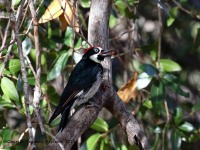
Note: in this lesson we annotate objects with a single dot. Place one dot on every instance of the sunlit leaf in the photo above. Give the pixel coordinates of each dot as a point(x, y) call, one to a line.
point(128, 91)
point(6, 102)
point(53, 11)
point(143, 80)
point(147, 103)
point(15, 3)
point(58, 65)
point(92, 141)
point(112, 21)
point(187, 127)
point(167, 65)
point(173, 14)
point(71, 19)
point(85, 3)
point(62, 9)
point(9, 89)
point(6, 72)
point(102, 144)
point(100, 125)
point(14, 65)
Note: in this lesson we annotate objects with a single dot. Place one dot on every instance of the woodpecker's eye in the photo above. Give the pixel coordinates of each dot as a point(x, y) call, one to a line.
point(96, 50)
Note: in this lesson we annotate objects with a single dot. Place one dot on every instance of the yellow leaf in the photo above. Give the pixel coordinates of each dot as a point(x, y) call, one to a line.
point(129, 90)
point(53, 11)
point(70, 16)
point(63, 10)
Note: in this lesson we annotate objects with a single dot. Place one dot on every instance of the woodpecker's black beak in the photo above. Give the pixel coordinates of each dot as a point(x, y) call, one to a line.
point(105, 53)
point(108, 53)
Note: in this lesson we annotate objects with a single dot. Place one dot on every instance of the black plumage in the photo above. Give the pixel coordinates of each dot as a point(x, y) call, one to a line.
point(83, 83)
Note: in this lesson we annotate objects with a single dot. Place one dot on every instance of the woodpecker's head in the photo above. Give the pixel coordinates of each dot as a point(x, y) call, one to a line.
point(97, 54)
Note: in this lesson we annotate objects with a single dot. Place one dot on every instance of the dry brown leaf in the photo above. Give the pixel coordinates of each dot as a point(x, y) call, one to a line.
point(63, 10)
point(129, 90)
point(63, 21)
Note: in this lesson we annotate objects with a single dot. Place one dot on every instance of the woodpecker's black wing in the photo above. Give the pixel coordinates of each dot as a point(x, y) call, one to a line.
point(81, 79)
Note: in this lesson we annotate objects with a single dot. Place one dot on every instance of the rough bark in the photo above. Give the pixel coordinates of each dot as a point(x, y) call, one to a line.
point(98, 34)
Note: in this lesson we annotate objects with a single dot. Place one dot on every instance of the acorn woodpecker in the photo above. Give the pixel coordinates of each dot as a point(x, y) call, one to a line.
point(83, 83)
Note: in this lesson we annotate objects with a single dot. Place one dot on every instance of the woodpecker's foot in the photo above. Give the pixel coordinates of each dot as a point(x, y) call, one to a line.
point(91, 104)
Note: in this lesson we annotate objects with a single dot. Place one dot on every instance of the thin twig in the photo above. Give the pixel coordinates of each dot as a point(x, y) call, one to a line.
point(166, 110)
point(30, 65)
point(37, 92)
point(160, 35)
point(185, 10)
point(5, 60)
point(24, 72)
point(5, 34)
point(5, 46)
point(125, 32)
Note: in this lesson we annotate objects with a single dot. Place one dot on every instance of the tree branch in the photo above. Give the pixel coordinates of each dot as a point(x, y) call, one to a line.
point(98, 33)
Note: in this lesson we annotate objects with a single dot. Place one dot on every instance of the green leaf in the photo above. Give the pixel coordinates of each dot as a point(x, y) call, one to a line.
point(26, 45)
point(143, 80)
point(102, 144)
point(59, 65)
point(167, 65)
point(14, 65)
point(15, 3)
point(149, 69)
point(112, 21)
point(68, 37)
point(147, 103)
point(55, 122)
point(196, 107)
point(9, 89)
point(123, 9)
point(196, 44)
point(100, 125)
point(123, 147)
point(78, 44)
point(173, 14)
point(5, 134)
point(157, 94)
point(170, 21)
point(85, 3)
point(178, 115)
point(175, 140)
point(187, 127)
point(6, 102)
point(171, 82)
point(92, 141)
point(5, 72)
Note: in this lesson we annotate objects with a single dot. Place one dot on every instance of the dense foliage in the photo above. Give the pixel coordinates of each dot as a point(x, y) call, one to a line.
point(160, 42)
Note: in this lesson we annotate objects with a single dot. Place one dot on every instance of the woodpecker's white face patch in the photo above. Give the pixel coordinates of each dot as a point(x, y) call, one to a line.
point(95, 56)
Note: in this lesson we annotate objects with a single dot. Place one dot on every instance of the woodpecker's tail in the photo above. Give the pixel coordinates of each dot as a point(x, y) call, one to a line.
point(55, 114)
point(64, 119)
